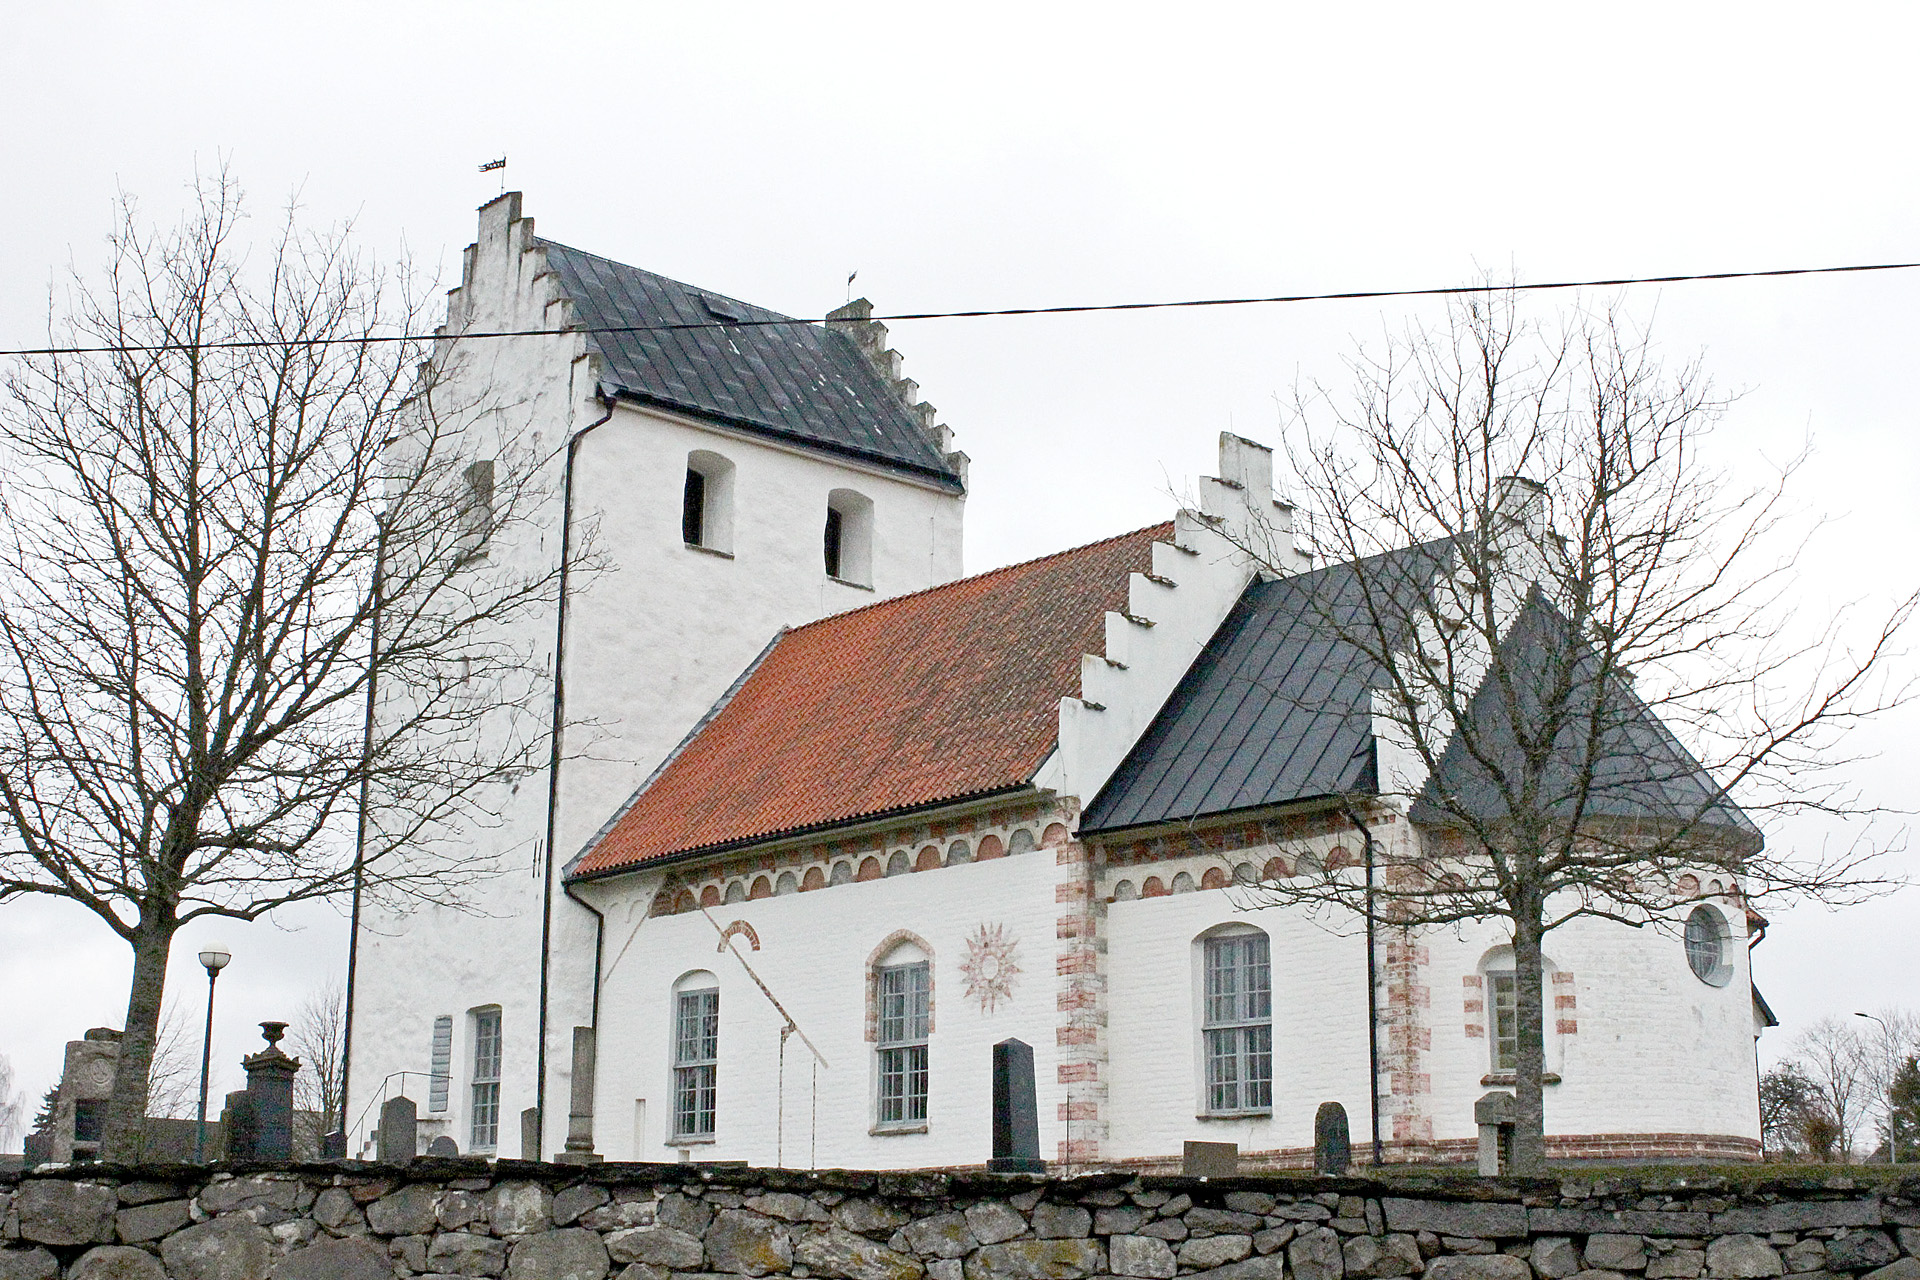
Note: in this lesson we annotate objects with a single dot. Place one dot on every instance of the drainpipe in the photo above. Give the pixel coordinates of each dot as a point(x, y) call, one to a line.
point(360, 835)
point(554, 733)
point(1373, 991)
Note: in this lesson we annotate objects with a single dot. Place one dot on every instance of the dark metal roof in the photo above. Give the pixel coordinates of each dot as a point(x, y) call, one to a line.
point(1614, 759)
point(1277, 708)
point(799, 382)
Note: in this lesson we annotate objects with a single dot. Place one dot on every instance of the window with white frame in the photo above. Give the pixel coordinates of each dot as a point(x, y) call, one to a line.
point(1237, 1023)
point(905, 996)
point(1706, 943)
point(483, 1131)
point(1503, 1010)
point(696, 1056)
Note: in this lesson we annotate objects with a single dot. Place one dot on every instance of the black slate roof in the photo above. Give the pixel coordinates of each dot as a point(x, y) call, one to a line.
point(1616, 760)
point(1277, 708)
point(799, 382)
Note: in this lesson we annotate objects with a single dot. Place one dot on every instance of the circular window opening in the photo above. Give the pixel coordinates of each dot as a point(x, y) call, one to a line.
point(1707, 947)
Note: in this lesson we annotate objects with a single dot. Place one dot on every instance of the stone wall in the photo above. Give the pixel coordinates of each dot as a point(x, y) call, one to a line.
point(688, 1222)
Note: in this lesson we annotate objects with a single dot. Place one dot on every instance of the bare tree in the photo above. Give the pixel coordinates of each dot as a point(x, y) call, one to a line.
point(13, 1106)
point(173, 1074)
point(1787, 1100)
point(318, 1037)
point(1833, 1056)
point(256, 578)
point(1888, 1039)
point(1583, 683)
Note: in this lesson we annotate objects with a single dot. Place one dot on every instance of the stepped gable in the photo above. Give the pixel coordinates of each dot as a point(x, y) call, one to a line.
point(925, 699)
point(796, 381)
point(1276, 709)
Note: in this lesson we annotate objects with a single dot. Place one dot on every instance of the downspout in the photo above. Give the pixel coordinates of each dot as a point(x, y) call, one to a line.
point(360, 835)
point(555, 730)
point(1373, 991)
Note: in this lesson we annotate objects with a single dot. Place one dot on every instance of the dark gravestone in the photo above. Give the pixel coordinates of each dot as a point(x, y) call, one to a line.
point(270, 1076)
point(333, 1146)
point(1016, 1116)
point(38, 1149)
point(1210, 1160)
point(1332, 1148)
point(399, 1131)
point(443, 1147)
point(240, 1126)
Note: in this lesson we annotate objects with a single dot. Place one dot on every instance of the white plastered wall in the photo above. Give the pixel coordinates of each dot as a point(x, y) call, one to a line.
point(819, 975)
point(654, 638)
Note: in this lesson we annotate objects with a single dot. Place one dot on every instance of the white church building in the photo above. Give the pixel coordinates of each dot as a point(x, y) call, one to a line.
point(831, 820)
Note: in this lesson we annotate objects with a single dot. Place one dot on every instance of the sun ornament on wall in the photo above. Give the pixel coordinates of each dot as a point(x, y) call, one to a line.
point(990, 966)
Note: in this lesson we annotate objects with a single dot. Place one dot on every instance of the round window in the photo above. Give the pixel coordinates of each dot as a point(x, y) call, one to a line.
point(1707, 947)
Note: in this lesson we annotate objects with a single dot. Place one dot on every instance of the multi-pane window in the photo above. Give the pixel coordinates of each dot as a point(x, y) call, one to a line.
point(1504, 999)
point(1238, 1023)
point(696, 1055)
point(1706, 946)
point(906, 1006)
point(484, 1127)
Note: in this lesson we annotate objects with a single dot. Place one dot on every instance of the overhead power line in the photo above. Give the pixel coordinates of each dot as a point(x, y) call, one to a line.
point(985, 313)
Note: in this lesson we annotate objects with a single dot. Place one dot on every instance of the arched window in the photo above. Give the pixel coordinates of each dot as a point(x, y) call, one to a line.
point(696, 1054)
point(1503, 1013)
point(483, 1120)
point(848, 541)
point(1706, 940)
point(1236, 1021)
point(706, 503)
point(902, 991)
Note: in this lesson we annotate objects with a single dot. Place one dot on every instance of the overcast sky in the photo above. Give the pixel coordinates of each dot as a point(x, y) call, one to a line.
point(985, 155)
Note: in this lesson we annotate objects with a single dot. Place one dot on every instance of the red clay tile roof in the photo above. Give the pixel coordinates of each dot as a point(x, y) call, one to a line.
point(947, 693)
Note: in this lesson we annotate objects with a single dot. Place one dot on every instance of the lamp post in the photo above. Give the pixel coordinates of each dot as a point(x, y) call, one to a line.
point(1893, 1140)
point(214, 958)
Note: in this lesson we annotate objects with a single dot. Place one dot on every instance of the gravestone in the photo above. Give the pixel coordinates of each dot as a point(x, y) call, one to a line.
point(1493, 1116)
point(443, 1148)
point(399, 1130)
point(1016, 1116)
point(1210, 1160)
point(530, 1134)
point(239, 1124)
point(38, 1149)
point(579, 1149)
point(333, 1146)
point(270, 1076)
point(1332, 1147)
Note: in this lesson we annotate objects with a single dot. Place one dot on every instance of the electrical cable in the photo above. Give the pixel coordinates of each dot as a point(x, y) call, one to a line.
point(1072, 309)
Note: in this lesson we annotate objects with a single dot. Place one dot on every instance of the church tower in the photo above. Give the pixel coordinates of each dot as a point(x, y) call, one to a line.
point(712, 472)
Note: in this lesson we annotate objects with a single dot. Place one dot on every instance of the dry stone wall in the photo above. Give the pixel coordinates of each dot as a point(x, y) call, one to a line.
point(444, 1219)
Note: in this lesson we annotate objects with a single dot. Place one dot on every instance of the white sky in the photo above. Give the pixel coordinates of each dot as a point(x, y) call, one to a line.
point(1027, 154)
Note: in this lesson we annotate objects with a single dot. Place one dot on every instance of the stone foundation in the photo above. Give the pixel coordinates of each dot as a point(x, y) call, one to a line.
point(448, 1218)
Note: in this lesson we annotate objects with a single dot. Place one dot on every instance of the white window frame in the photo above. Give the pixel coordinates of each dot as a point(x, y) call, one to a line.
point(1720, 972)
point(1236, 1023)
point(483, 1090)
point(904, 1019)
point(440, 1064)
point(695, 1028)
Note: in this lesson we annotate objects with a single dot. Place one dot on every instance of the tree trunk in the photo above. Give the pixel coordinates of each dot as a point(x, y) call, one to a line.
point(1529, 1113)
point(127, 1109)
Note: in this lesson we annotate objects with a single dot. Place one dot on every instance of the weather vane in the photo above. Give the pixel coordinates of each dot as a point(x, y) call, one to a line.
point(500, 164)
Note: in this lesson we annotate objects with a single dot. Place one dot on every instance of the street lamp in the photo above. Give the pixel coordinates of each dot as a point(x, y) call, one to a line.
point(214, 958)
point(1893, 1140)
